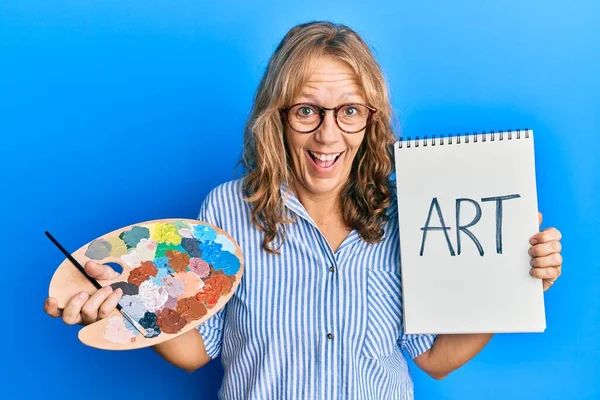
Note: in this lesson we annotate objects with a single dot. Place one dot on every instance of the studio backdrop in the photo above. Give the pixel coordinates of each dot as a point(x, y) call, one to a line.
point(116, 112)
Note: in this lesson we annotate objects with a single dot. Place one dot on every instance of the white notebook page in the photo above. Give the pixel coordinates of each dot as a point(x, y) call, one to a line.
point(486, 287)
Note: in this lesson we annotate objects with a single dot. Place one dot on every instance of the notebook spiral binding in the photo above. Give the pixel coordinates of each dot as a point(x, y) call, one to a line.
point(460, 138)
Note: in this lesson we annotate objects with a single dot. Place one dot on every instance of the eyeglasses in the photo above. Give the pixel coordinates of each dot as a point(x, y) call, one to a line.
point(308, 117)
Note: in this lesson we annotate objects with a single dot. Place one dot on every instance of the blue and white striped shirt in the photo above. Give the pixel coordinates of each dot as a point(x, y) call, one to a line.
point(310, 323)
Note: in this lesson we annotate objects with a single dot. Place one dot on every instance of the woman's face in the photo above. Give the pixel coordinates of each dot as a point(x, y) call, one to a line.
point(322, 159)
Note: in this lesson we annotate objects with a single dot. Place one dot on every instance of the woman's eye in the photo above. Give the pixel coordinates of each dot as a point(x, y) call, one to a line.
point(350, 111)
point(305, 111)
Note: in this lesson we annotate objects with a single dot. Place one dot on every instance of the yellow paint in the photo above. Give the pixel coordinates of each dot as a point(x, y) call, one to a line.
point(118, 246)
point(165, 233)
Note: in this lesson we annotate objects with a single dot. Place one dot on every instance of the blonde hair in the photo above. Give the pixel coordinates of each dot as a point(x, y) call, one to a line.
point(366, 195)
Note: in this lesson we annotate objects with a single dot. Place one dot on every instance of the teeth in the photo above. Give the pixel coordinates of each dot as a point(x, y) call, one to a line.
point(324, 157)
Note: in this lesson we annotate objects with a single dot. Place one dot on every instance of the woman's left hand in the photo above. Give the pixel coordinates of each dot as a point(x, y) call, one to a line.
point(546, 260)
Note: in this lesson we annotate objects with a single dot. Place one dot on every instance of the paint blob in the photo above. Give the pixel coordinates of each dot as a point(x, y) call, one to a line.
point(162, 249)
point(178, 261)
point(186, 232)
point(170, 321)
point(191, 246)
point(216, 286)
point(132, 259)
point(98, 249)
point(213, 254)
point(192, 283)
point(117, 332)
point(126, 287)
point(171, 303)
point(133, 305)
point(160, 275)
point(225, 243)
point(148, 322)
point(133, 236)
point(118, 246)
point(191, 309)
point(204, 233)
point(138, 275)
point(162, 263)
point(152, 296)
point(173, 286)
point(131, 328)
point(199, 267)
point(146, 249)
point(166, 233)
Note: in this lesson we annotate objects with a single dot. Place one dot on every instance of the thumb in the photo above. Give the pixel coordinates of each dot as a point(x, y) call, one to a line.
point(51, 307)
point(100, 271)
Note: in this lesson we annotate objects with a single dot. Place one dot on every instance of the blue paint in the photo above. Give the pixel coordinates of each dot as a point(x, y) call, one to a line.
point(204, 233)
point(192, 247)
point(228, 263)
point(162, 272)
point(130, 327)
point(148, 321)
point(213, 254)
point(163, 263)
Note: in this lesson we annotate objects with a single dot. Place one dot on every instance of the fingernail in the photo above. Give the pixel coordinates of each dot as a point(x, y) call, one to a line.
point(119, 291)
point(533, 241)
point(83, 295)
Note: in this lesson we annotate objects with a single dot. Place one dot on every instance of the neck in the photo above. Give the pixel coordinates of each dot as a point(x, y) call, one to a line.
point(323, 208)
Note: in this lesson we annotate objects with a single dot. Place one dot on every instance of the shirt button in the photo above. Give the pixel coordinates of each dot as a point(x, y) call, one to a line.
point(331, 269)
point(329, 336)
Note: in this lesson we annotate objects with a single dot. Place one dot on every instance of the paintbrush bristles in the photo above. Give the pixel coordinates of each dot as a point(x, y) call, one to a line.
point(134, 323)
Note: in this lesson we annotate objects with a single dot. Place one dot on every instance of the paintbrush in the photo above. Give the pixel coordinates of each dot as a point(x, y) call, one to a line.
point(98, 285)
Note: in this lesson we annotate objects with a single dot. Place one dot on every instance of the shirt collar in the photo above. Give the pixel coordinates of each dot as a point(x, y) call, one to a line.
point(292, 202)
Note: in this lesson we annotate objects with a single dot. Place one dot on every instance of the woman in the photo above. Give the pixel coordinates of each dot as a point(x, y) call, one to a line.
point(318, 312)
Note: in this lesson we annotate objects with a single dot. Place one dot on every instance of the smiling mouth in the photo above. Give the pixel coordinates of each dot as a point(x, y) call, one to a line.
point(324, 160)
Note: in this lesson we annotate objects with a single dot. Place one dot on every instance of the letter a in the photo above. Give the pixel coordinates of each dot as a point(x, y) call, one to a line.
point(434, 203)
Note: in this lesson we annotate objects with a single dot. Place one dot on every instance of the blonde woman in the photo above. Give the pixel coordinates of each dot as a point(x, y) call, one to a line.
point(318, 312)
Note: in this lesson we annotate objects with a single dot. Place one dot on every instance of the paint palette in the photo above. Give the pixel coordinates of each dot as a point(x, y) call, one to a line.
point(177, 273)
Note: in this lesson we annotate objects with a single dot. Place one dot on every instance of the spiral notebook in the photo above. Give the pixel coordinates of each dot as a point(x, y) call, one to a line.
point(467, 206)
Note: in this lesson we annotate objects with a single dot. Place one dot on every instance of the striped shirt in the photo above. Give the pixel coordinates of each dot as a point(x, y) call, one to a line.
point(310, 323)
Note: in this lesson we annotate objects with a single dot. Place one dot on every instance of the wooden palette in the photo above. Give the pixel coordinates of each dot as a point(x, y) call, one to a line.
point(177, 273)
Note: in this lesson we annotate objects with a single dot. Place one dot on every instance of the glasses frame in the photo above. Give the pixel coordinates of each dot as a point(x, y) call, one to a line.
point(285, 113)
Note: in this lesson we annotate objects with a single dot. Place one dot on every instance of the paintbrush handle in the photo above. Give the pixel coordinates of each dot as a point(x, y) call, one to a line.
point(73, 260)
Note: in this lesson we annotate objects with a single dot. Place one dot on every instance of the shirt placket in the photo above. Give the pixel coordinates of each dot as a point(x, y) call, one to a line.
point(329, 340)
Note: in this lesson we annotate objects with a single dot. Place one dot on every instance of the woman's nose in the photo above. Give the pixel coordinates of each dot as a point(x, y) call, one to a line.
point(328, 133)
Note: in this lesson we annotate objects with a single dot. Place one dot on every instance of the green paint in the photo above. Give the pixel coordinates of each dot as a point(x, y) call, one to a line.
point(162, 248)
point(133, 236)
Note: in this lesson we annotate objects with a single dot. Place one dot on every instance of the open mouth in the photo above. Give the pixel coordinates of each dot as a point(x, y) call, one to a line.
point(322, 160)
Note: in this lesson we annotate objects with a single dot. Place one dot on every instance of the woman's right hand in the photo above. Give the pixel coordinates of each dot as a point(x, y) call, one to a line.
point(85, 309)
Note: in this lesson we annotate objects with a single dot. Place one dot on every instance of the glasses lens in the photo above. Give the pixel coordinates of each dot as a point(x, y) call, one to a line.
point(353, 117)
point(304, 117)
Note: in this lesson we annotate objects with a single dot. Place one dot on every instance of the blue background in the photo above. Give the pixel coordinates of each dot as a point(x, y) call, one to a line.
point(116, 112)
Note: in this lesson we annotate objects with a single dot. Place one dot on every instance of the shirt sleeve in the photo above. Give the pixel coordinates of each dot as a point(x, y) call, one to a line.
point(416, 345)
point(211, 330)
point(212, 333)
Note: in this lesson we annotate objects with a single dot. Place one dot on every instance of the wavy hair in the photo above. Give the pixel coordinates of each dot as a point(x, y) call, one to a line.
point(265, 158)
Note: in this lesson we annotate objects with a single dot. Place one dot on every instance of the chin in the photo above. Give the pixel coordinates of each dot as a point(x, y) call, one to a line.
point(323, 186)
